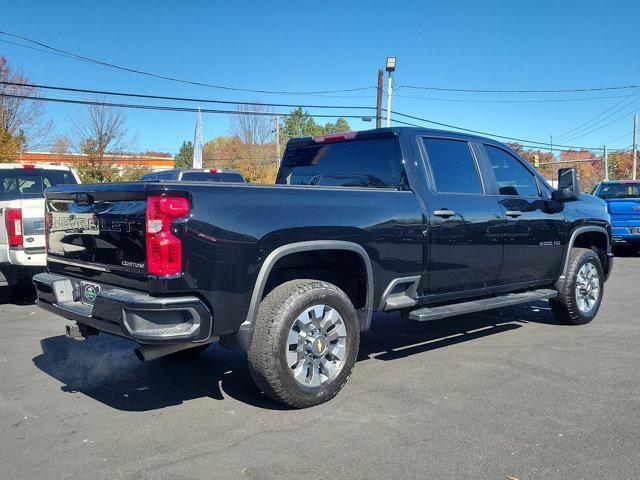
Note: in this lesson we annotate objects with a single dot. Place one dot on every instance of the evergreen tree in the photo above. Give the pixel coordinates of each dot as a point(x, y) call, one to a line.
point(184, 158)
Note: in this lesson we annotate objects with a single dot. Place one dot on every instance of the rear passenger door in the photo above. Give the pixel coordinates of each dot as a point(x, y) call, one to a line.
point(464, 240)
point(533, 222)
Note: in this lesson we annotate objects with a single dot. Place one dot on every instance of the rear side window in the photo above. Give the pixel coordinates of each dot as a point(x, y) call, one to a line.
point(453, 166)
point(373, 163)
point(17, 183)
point(51, 178)
point(513, 178)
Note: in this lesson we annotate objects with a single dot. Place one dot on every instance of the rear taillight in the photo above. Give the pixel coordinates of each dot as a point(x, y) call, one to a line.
point(164, 249)
point(13, 222)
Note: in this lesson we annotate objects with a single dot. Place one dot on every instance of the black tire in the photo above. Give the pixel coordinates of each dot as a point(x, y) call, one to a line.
point(277, 315)
point(565, 307)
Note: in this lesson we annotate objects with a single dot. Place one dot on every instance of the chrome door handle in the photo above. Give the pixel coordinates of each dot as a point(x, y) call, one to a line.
point(444, 212)
point(513, 213)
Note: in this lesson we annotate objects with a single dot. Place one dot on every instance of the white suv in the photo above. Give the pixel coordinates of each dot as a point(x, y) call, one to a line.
point(22, 240)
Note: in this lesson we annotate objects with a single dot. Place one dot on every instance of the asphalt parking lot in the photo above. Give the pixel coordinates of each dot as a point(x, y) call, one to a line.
point(503, 394)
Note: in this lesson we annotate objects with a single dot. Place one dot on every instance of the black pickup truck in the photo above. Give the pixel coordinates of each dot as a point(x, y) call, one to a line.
point(430, 223)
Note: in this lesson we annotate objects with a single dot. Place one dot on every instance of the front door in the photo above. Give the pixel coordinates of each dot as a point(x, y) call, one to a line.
point(464, 240)
point(532, 228)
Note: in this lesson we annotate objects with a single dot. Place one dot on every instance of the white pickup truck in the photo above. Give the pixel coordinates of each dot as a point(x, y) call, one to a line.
point(22, 239)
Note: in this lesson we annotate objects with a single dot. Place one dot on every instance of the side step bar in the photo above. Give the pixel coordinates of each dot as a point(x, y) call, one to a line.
point(443, 311)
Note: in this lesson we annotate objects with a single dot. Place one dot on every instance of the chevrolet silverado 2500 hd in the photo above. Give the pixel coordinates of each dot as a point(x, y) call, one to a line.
point(430, 223)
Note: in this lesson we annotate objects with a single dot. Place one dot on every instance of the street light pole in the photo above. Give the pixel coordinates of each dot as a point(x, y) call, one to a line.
point(389, 100)
point(391, 66)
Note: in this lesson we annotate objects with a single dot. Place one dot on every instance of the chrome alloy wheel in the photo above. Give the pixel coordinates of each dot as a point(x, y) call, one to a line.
point(587, 287)
point(316, 345)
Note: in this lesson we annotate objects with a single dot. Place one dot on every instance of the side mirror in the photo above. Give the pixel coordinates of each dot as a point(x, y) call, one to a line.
point(568, 185)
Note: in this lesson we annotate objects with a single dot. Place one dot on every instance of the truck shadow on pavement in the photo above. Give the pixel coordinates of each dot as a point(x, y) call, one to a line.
point(105, 368)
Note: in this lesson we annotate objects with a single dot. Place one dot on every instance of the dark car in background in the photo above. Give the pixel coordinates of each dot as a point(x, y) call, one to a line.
point(196, 175)
point(623, 203)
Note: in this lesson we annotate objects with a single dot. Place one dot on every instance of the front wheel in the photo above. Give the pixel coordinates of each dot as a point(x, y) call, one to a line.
point(305, 343)
point(580, 299)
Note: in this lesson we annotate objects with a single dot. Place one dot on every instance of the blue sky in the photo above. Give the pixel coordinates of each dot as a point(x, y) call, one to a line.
point(324, 45)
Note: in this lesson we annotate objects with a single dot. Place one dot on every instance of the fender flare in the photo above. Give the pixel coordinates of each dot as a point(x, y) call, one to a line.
point(559, 284)
point(242, 339)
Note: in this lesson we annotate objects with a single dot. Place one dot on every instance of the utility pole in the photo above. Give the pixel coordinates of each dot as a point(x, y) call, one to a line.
point(551, 144)
point(379, 99)
point(391, 66)
point(606, 165)
point(635, 146)
point(277, 120)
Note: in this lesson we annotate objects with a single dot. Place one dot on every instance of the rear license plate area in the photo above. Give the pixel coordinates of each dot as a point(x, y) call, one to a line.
point(89, 292)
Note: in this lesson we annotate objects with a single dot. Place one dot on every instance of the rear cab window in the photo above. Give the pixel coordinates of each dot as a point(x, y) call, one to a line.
point(365, 163)
point(453, 166)
point(17, 182)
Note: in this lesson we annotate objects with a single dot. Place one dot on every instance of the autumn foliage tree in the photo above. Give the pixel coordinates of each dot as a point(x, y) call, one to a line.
point(22, 121)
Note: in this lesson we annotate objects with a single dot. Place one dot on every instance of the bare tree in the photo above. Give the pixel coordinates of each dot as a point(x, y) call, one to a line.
point(252, 125)
point(61, 145)
point(101, 130)
point(98, 131)
point(22, 121)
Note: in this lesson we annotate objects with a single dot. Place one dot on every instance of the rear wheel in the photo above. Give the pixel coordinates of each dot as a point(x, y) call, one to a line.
point(305, 343)
point(581, 297)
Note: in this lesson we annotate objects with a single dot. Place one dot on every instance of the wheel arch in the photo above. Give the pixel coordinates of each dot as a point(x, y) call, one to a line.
point(242, 339)
point(587, 236)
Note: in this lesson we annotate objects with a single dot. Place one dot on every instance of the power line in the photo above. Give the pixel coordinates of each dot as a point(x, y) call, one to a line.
point(557, 90)
point(579, 128)
point(488, 134)
point(235, 112)
point(51, 49)
point(617, 138)
point(531, 100)
point(607, 124)
point(180, 99)
point(165, 107)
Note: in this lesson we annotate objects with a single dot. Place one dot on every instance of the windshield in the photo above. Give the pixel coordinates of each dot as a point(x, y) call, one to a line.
point(21, 182)
point(619, 190)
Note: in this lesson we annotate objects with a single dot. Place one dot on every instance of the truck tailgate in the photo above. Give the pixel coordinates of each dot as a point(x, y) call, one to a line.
point(97, 228)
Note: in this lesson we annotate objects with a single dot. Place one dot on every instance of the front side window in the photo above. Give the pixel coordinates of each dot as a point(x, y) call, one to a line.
point(513, 178)
point(372, 163)
point(453, 166)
